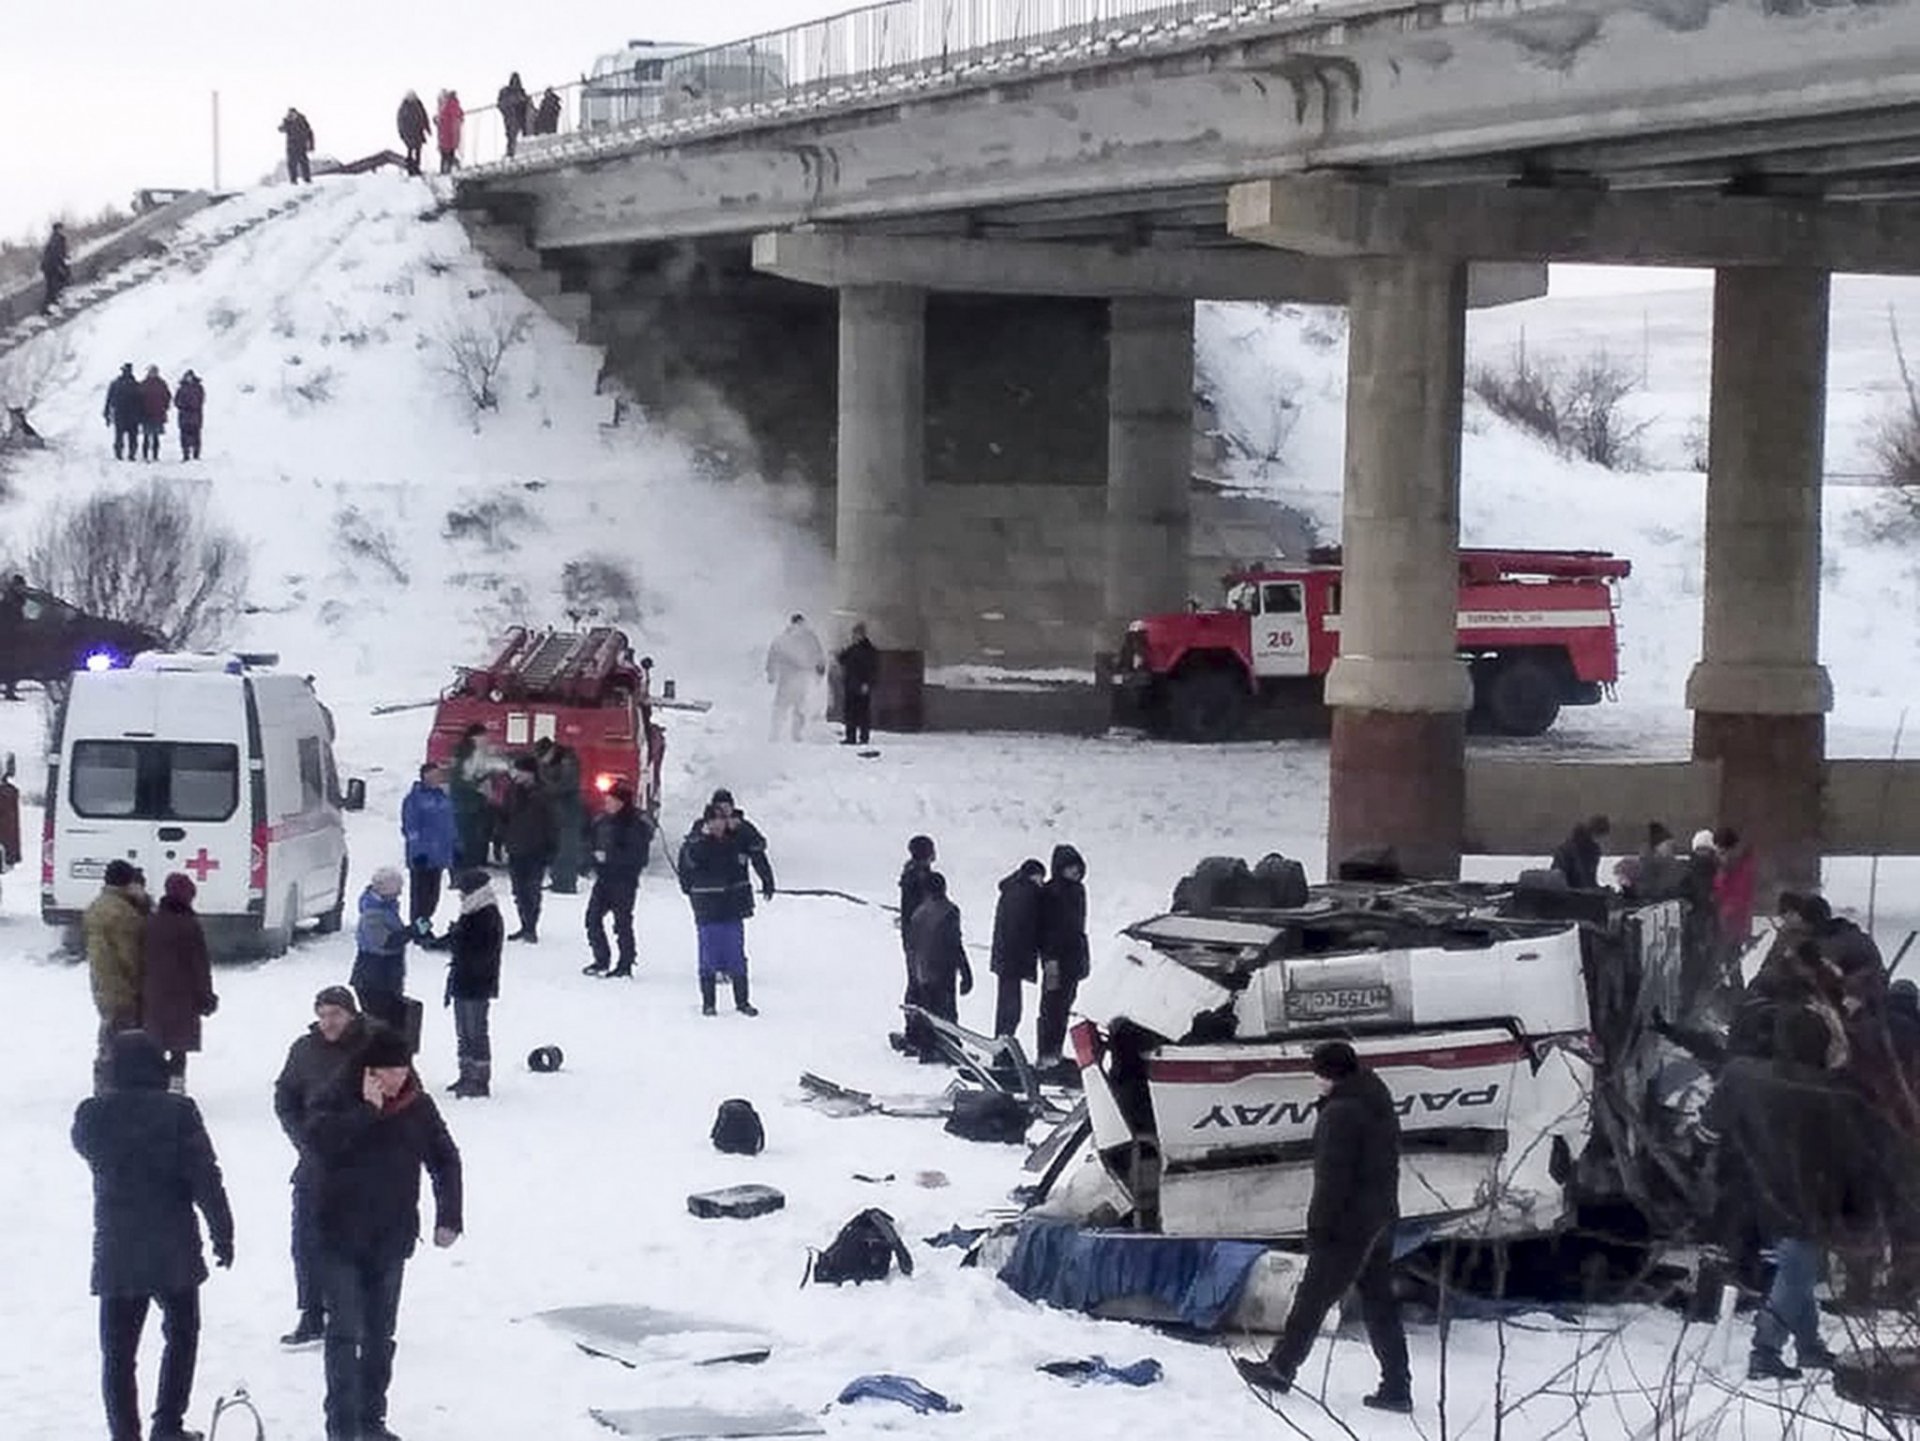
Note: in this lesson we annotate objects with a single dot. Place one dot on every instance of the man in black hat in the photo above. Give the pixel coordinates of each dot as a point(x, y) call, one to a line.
point(371, 1134)
point(530, 834)
point(622, 843)
point(315, 1062)
point(1350, 1221)
point(153, 1164)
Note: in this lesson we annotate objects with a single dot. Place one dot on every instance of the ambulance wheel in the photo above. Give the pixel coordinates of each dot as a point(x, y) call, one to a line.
point(331, 920)
point(276, 940)
point(1523, 698)
point(1206, 705)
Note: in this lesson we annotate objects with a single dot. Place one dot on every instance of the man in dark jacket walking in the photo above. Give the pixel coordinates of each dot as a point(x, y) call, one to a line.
point(190, 407)
point(125, 410)
point(622, 843)
point(859, 674)
point(513, 102)
point(1016, 943)
point(315, 1063)
point(299, 134)
point(54, 266)
point(473, 980)
point(1064, 960)
point(153, 1164)
point(431, 835)
point(371, 1134)
point(1350, 1221)
point(1578, 856)
point(937, 954)
point(529, 833)
point(414, 127)
point(714, 868)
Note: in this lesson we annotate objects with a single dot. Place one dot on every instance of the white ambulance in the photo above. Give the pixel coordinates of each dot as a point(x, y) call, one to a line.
point(216, 766)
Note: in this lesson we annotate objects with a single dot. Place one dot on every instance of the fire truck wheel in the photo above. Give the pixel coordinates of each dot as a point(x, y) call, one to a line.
point(1523, 698)
point(1206, 705)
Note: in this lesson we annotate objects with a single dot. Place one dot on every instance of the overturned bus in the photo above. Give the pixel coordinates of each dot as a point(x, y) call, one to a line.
point(1521, 1029)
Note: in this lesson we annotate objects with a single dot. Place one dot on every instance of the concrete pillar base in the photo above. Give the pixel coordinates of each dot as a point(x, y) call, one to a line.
point(1772, 774)
point(1399, 779)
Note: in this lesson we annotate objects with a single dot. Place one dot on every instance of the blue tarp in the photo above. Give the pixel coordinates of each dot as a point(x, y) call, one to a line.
point(1078, 1270)
point(1143, 1372)
point(903, 1389)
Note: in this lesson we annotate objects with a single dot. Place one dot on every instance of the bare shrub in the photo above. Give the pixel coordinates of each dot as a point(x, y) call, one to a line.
point(303, 387)
point(601, 587)
point(149, 556)
point(491, 522)
point(1694, 444)
point(361, 538)
point(1896, 440)
point(223, 315)
point(1579, 411)
point(471, 352)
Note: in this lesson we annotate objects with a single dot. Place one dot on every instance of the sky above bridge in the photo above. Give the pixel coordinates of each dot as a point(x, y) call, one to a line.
point(114, 95)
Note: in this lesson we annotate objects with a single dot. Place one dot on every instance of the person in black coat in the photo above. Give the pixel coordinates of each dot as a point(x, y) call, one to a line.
point(414, 127)
point(936, 954)
point(859, 674)
point(299, 133)
point(915, 876)
point(1350, 1221)
point(717, 865)
point(54, 268)
point(1578, 856)
point(622, 844)
point(513, 103)
point(153, 1164)
point(473, 979)
point(125, 410)
point(530, 835)
point(371, 1135)
point(1064, 961)
point(1016, 942)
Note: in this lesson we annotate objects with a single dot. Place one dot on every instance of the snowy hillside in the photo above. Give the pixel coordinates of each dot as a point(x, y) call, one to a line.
point(394, 532)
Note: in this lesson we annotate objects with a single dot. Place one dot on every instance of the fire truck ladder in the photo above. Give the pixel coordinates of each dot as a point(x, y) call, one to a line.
point(567, 665)
point(548, 661)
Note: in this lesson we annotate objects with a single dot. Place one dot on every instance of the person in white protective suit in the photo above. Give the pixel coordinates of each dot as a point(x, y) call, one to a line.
point(794, 661)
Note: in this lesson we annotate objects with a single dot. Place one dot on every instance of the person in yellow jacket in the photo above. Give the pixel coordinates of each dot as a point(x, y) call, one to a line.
point(114, 925)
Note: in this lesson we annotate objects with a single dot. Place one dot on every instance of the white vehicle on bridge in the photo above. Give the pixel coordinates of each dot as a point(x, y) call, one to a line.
point(652, 79)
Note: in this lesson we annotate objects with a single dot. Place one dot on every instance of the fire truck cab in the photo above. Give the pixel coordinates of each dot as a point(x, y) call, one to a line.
point(581, 689)
point(1536, 629)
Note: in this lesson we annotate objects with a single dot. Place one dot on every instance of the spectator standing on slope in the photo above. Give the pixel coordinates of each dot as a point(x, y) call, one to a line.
point(414, 127)
point(859, 674)
point(153, 1165)
point(371, 1136)
point(190, 406)
point(622, 842)
point(513, 103)
point(431, 837)
point(794, 660)
point(125, 410)
point(176, 976)
point(299, 134)
point(451, 120)
point(473, 979)
point(54, 268)
point(155, 401)
point(315, 1063)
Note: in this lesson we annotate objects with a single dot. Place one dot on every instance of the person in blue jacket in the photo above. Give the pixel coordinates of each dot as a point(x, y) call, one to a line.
point(427, 824)
point(380, 959)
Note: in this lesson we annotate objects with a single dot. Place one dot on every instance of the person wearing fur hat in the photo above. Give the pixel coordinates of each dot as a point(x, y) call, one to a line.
point(153, 1166)
point(473, 979)
point(176, 981)
point(371, 1135)
point(380, 955)
point(114, 924)
point(315, 1062)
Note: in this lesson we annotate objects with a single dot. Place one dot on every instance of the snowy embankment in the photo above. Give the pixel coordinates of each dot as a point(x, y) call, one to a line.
point(393, 533)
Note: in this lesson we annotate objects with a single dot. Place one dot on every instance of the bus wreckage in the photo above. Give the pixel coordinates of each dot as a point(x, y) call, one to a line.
point(1522, 1029)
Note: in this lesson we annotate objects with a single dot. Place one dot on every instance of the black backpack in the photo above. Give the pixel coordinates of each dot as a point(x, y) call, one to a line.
point(988, 1116)
point(865, 1250)
point(737, 1129)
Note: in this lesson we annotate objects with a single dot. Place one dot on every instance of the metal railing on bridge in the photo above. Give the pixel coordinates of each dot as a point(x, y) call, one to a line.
point(895, 48)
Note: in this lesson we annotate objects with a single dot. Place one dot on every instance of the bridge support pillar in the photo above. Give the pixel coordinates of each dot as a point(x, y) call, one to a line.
point(1399, 692)
point(1759, 694)
point(1149, 458)
point(880, 473)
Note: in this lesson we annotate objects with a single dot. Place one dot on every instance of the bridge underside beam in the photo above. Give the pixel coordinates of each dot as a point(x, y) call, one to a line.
point(986, 267)
point(1342, 218)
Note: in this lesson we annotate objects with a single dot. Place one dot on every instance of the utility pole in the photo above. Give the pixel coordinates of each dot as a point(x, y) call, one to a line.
point(216, 140)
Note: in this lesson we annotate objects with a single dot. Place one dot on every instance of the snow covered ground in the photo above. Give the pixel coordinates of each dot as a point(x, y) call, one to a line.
point(576, 1181)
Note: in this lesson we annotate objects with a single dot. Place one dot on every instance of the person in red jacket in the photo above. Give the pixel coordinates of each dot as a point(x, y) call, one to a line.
point(1733, 889)
point(450, 120)
point(155, 400)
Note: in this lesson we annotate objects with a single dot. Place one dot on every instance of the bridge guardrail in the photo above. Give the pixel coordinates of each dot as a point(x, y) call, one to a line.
point(897, 46)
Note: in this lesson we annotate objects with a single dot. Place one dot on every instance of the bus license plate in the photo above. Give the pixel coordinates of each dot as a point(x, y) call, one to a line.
point(1323, 1003)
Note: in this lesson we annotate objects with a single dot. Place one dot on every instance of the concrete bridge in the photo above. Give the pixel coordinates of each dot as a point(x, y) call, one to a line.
point(1404, 159)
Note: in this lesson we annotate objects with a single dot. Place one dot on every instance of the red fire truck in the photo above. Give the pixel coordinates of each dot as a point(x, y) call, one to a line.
point(1537, 631)
point(581, 689)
